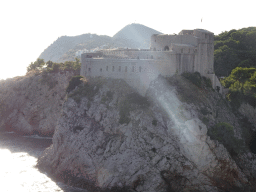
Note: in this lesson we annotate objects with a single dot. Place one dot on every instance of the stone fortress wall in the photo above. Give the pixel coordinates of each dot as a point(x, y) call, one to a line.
point(189, 51)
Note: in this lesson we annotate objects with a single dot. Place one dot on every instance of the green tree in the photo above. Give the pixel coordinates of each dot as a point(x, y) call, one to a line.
point(234, 48)
point(242, 86)
point(225, 59)
point(37, 65)
point(49, 64)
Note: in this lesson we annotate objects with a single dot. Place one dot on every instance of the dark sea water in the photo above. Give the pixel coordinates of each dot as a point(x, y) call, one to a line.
point(18, 157)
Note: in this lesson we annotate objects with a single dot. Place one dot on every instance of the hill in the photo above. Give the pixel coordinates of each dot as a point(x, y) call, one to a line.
point(65, 47)
point(138, 33)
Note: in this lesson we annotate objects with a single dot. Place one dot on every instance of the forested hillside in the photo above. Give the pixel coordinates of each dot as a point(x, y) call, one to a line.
point(235, 48)
point(235, 58)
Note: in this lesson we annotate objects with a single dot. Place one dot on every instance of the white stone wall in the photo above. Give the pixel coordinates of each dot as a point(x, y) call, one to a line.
point(188, 52)
point(200, 42)
point(136, 72)
point(160, 41)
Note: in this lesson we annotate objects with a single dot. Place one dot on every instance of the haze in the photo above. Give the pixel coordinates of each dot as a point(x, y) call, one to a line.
point(29, 27)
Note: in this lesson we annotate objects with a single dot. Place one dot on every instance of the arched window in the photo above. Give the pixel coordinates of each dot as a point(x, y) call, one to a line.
point(113, 68)
point(100, 69)
point(166, 48)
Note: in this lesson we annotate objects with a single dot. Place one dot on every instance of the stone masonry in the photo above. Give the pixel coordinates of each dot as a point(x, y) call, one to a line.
point(189, 51)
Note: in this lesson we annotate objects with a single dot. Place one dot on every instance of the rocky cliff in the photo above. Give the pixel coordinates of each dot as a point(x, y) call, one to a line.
point(110, 138)
point(250, 112)
point(32, 104)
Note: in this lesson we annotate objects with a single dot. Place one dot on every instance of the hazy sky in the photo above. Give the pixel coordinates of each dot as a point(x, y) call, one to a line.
point(28, 27)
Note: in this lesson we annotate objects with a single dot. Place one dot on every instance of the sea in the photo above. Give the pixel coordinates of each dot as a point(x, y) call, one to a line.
point(18, 158)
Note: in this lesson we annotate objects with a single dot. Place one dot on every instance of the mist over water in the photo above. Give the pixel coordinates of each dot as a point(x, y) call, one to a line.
point(17, 164)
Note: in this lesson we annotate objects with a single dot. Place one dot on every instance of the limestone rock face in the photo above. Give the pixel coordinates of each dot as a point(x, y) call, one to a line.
point(109, 139)
point(248, 111)
point(32, 104)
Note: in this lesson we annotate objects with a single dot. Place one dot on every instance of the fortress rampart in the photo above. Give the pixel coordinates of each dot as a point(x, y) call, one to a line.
point(190, 51)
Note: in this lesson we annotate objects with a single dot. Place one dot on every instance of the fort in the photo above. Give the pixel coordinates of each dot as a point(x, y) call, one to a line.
point(189, 51)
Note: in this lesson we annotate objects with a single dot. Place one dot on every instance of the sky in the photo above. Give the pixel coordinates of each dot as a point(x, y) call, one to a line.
point(28, 27)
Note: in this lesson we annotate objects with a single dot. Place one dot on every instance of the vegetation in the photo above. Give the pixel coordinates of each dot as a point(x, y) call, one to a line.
point(242, 86)
point(235, 48)
point(85, 89)
point(39, 65)
point(130, 103)
point(73, 83)
point(197, 79)
point(48, 80)
point(224, 133)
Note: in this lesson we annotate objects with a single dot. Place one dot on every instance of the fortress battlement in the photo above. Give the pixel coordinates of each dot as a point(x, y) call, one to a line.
point(189, 51)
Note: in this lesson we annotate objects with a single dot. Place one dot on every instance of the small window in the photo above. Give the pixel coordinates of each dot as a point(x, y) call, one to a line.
point(119, 69)
point(89, 69)
point(113, 68)
point(133, 68)
point(107, 68)
point(166, 48)
point(152, 57)
point(125, 68)
point(140, 69)
point(100, 69)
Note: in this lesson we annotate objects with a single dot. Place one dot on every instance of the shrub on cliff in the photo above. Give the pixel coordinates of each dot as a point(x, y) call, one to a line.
point(73, 83)
point(197, 79)
point(224, 133)
point(37, 65)
point(130, 103)
point(89, 90)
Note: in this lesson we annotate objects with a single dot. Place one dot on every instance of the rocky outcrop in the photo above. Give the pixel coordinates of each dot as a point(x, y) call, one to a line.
point(32, 104)
point(248, 111)
point(108, 136)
